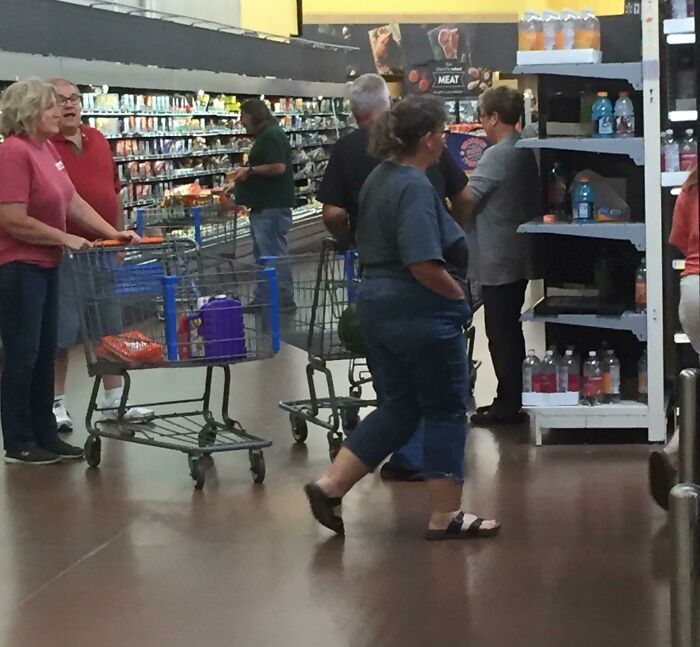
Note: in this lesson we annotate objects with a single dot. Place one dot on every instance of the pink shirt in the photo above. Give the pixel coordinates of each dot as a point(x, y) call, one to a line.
point(685, 232)
point(34, 175)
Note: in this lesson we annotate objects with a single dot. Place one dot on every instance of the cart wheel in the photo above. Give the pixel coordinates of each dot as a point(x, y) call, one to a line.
point(93, 451)
point(334, 445)
point(198, 472)
point(300, 430)
point(350, 417)
point(207, 437)
point(257, 465)
point(355, 391)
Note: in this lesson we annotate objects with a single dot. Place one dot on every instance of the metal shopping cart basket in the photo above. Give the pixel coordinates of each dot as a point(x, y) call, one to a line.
point(166, 305)
point(323, 288)
point(210, 225)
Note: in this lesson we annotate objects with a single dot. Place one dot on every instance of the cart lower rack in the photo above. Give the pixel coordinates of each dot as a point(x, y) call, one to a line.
point(166, 305)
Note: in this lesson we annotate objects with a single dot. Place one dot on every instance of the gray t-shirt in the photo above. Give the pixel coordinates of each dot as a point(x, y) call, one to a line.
point(506, 186)
point(402, 221)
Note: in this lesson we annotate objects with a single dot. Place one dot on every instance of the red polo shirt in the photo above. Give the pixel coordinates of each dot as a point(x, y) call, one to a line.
point(93, 173)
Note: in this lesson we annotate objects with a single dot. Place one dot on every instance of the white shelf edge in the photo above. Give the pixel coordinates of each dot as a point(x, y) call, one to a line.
point(631, 72)
point(633, 147)
point(673, 179)
point(681, 116)
point(622, 409)
point(634, 232)
point(679, 26)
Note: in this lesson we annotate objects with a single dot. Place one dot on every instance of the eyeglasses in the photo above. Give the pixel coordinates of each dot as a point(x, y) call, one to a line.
point(73, 98)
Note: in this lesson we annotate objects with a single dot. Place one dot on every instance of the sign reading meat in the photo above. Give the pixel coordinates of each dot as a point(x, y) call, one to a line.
point(449, 80)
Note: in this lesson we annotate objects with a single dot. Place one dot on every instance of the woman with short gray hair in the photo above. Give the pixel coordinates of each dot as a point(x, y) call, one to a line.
point(36, 198)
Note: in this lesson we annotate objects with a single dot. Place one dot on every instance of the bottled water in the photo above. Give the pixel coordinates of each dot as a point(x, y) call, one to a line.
point(573, 371)
point(624, 116)
point(592, 379)
point(671, 153)
point(611, 377)
point(531, 373)
point(548, 373)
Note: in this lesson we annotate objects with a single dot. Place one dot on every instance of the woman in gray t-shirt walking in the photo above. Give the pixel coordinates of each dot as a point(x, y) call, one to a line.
point(412, 311)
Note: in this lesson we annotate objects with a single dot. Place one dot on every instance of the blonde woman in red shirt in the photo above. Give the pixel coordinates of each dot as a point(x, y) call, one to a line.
point(685, 235)
point(36, 199)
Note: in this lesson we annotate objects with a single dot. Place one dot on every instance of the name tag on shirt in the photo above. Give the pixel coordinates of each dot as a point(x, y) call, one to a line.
point(60, 166)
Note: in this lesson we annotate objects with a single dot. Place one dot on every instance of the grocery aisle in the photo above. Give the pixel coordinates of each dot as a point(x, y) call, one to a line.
point(130, 555)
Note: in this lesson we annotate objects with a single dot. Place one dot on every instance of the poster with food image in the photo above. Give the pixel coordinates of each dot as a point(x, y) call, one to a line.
point(387, 51)
point(447, 43)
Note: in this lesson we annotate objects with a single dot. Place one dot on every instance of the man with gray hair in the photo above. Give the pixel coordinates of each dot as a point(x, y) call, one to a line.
point(348, 168)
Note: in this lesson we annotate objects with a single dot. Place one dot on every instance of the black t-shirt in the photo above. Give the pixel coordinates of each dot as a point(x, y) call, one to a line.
point(350, 165)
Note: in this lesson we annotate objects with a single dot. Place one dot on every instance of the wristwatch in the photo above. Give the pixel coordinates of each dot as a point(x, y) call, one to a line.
point(250, 168)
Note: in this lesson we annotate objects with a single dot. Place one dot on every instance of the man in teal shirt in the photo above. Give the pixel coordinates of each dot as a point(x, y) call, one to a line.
point(266, 186)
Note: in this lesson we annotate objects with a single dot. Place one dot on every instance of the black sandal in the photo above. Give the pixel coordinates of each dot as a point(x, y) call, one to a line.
point(455, 530)
point(325, 509)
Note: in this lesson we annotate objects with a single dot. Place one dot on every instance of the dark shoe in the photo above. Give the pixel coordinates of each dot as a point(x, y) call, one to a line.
point(491, 418)
point(34, 456)
point(484, 409)
point(393, 472)
point(64, 450)
point(325, 509)
point(456, 530)
point(662, 477)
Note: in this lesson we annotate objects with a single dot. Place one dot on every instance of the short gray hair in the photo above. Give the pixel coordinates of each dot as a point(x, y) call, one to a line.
point(368, 94)
point(21, 103)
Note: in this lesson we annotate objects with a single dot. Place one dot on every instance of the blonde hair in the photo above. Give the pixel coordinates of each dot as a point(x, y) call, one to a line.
point(21, 103)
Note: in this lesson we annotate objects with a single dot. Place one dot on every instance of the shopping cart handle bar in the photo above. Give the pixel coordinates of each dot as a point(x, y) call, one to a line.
point(152, 240)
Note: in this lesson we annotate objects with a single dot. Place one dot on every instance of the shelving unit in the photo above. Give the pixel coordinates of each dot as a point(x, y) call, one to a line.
point(645, 236)
point(632, 147)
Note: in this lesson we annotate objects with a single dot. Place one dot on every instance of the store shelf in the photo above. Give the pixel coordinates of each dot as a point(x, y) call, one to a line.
point(634, 322)
point(627, 414)
point(634, 232)
point(682, 116)
point(317, 145)
point(631, 72)
point(681, 338)
point(143, 113)
point(679, 264)
point(674, 179)
point(633, 147)
point(174, 156)
point(178, 176)
point(679, 26)
point(183, 135)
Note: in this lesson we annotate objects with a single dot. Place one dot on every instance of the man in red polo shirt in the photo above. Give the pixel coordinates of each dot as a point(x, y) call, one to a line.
point(87, 156)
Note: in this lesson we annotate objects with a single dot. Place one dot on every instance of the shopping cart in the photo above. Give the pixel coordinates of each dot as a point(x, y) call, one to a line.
point(167, 305)
point(210, 225)
point(323, 288)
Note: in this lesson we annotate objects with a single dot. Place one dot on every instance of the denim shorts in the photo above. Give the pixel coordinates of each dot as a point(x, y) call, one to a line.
point(105, 317)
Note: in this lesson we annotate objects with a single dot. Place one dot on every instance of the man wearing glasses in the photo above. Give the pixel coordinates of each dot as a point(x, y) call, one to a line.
point(87, 156)
point(503, 193)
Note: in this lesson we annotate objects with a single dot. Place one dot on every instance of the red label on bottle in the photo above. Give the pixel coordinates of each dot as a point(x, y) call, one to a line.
point(574, 383)
point(688, 160)
point(537, 383)
point(592, 386)
point(549, 382)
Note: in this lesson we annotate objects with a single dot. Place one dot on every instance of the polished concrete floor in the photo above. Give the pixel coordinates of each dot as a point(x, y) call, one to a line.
point(129, 555)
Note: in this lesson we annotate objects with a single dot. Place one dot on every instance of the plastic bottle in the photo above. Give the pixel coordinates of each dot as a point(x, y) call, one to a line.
point(679, 8)
point(603, 116)
point(671, 153)
point(551, 26)
point(640, 287)
point(548, 373)
point(588, 31)
point(688, 151)
point(562, 374)
point(592, 379)
point(573, 370)
point(691, 8)
point(643, 376)
point(566, 37)
point(611, 377)
point(624, 116)
point(531, 373)
point(530, 34)
point(583, 200)
point(556, 190)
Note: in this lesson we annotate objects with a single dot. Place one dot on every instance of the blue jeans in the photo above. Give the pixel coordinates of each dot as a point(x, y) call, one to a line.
point(268, 228)
point(416, 347)
point(28, 323)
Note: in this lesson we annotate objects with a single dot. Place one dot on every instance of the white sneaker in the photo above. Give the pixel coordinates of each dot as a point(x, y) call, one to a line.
point(132, 414)
point(63, 420)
